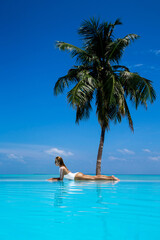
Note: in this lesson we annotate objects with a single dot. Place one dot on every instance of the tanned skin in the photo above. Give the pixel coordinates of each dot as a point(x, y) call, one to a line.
point(79, 176)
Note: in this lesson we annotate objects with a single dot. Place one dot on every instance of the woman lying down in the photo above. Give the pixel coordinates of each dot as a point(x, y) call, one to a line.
point(65, 173)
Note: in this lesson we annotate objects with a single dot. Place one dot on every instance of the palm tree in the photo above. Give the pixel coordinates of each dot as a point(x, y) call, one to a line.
point(99, 79)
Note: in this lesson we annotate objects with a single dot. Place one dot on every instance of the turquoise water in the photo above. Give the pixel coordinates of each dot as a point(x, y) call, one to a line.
point(32, 208)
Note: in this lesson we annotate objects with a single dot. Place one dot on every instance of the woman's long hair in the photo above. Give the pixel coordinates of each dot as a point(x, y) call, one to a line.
point(60, 161)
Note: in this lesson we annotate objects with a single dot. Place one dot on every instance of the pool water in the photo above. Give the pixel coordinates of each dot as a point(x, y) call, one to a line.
point(32, 208)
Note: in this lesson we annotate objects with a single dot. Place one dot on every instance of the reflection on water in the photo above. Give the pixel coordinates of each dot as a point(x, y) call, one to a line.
point(66, 188)
point(59, 195)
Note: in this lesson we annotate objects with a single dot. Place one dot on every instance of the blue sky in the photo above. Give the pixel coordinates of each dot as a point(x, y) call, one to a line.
point(35, 126)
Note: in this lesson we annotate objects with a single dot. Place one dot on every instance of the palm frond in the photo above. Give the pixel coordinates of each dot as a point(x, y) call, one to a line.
point(117, 22)
point(139, 89)
point(108, 87)
point(67, 47)
point(116, 48)
point(67, 80)
point(100, 111)
point(89, 29)
point(75, 51)
point(83, 111)
point(120, 67)
point(83, 90)
point(128, 115)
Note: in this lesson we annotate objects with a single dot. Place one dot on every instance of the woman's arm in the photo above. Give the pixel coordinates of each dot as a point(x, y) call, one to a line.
point(54, 179)
point(60, 178)
point(61, 173)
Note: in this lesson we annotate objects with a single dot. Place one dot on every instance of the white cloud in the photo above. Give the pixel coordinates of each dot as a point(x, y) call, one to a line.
point(126, 151)
point(138, 65)
point(155, 51)
point(56, 151)
point(16, 157)
point(146, 150)
point(27, 152)
point(156, 158)
point(12, 156)
point(116, 158)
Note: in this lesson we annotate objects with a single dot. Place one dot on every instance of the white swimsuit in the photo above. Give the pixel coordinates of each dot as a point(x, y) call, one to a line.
point(70, 176)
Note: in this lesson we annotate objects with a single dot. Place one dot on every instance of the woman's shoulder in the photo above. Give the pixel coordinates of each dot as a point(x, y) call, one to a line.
point(64, 169)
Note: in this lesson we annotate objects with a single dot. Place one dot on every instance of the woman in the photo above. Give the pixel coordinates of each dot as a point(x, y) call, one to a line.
point(65, 173)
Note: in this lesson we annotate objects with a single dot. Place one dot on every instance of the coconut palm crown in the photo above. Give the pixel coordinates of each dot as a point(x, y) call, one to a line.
point(99, 79)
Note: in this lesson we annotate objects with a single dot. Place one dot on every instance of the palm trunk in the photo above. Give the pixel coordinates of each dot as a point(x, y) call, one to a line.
point(100, 150)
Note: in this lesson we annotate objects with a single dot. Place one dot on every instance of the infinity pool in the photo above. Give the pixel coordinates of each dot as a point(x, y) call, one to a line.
point(32, 208)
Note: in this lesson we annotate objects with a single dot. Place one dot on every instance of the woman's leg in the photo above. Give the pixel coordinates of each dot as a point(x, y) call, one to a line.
point(81, 176)
point(104, 177)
